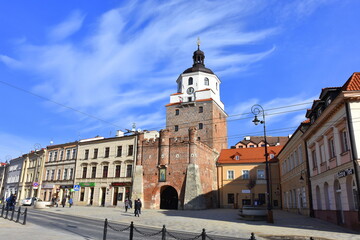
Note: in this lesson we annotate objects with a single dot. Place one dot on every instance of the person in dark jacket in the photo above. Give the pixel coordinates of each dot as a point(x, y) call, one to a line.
point(140, 205)
point(137, 208)
point(63, 201)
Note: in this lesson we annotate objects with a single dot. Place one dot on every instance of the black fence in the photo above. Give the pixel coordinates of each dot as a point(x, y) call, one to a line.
point(9, 213)
point(164, 233)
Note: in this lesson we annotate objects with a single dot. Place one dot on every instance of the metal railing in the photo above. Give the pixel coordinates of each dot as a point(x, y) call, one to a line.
point(6, 210)
point(165, 234)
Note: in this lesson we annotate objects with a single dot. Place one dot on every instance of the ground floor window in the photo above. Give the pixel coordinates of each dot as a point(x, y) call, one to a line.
point(231, 198)
point(82, 194)
point(246, 202)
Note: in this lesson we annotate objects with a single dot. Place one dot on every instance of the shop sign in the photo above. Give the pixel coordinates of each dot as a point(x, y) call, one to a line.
point(48, 185)
point(245, 191)
point(87, 184)
point(66, 186)
point(344, 173)
point(118, 184)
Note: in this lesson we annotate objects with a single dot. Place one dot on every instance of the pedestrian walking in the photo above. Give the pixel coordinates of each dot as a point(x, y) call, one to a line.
point(140, 205)
point(130, 203)
point(137, 208)
point(70, 202)
point(126, 204)
point(63, 201)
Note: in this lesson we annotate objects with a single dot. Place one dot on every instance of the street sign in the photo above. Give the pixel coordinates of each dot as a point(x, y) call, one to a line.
point(77, 187)
point(35, 185)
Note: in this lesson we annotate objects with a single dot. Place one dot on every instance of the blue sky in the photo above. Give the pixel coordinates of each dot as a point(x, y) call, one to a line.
point(118, 62)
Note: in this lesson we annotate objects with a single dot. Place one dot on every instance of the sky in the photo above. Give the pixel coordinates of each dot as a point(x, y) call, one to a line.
point(71, 70)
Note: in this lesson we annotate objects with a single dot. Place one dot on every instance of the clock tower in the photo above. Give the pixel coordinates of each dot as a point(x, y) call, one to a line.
point(197, 104)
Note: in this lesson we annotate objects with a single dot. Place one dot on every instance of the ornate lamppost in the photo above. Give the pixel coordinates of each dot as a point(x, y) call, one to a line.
point(256, 110)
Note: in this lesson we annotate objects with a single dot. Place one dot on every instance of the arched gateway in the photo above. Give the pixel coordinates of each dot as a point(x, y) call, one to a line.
point(168, 198)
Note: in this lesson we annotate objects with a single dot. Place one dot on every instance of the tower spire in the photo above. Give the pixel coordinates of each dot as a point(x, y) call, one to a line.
point(198, 42)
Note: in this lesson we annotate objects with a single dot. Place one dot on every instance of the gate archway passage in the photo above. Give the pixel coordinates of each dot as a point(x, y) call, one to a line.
point(168, 198)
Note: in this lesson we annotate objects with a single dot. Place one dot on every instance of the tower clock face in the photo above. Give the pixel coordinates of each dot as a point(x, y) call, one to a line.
point(190, 90)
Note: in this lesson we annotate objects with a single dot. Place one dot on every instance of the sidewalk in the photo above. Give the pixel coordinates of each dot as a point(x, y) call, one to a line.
point(223, 222)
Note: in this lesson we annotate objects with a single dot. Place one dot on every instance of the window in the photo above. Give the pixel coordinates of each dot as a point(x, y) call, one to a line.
point(93, 172)
point(130, 150)
point(47, 174)
point(59, 174)
point(331, 148)
point(355, 194)
point(117, 170)
point(271, 156)
point(68, 154)
point(71, 173)
point(128, 170)
point(314, 160)
point(190, 82)
point(206, 81)
point(201, 126)
point(231, 198)
point(105, 171)
point(86, 154)
point(65, 173)
point(344, 139)
point(322, 153)
point(189, 99)
point(50, 156)
point(61, 155)
point(237, 157)
point(95, 153)
point(55, 155)
point(177, 111)
point(245, 174)
point(216, 86)
point(162, 174)
point(176, 128)
point(230, 174)
point(260, 174)
point(201, 109)
point(52, 174)
point(119, 151)
point(74, 153)
point(84, 172)
point(107, 152)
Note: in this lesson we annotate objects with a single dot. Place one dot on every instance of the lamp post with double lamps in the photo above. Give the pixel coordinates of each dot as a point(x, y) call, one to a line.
point(256, 110)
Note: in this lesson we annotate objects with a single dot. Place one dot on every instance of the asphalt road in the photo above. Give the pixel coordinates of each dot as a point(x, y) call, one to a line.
point(93, 229)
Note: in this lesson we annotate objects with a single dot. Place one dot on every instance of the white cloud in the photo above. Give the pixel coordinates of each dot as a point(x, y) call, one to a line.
point(68, 27)
point(14, 146)
point(10, 61)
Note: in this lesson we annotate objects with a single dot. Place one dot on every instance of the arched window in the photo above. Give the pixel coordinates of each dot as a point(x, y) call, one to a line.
point(351, 193)
point(190, 81)
point(318, 198)
point(206, 81)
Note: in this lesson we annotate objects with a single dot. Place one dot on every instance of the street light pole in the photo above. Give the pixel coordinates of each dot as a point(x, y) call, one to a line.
point(256, 110)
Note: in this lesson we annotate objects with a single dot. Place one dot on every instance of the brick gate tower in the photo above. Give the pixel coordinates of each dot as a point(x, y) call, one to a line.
point(175, 167)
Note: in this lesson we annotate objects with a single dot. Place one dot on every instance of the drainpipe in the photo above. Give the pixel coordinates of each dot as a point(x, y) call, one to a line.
point(311, 207)
point(353, 154)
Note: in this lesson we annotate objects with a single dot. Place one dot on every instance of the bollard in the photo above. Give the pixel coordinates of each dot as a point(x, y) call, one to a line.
point(18, 214)
point(131, 231)
point(203, 234)
point(252, 237)
point(25, 214)
point(163, 233)
point(2, 210)
point(105, 229)
point(12, 214)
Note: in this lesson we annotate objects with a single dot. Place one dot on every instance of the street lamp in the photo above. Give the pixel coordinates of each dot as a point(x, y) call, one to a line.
point(256, 110)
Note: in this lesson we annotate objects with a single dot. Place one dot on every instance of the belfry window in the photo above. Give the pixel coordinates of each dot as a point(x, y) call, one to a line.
point(206, 81)
point(190, 81)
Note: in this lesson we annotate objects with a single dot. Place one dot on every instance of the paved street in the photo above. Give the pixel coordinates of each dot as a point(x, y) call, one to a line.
point(87, 223)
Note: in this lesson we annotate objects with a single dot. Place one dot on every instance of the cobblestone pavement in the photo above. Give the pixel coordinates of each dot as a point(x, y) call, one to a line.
point(222, 222)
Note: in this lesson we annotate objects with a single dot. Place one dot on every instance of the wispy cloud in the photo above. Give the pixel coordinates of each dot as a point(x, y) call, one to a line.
point(10, 61)
point(65, 29)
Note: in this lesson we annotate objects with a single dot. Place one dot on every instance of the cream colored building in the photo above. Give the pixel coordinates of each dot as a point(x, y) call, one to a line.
point(31, 175)
point(59, 171)
point(333, 148)
point(104, 170)
point(294, 172)
point(242, 177)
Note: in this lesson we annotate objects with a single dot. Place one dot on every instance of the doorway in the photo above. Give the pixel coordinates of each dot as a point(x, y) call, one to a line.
point(168, 198)
point(91, 195)
point(103, 195)
point(116, 190)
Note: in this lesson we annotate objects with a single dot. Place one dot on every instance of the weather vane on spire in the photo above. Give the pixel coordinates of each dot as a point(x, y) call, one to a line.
point(198, 42)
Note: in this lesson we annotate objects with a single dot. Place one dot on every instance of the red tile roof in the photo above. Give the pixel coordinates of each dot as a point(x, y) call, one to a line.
point(353, 83)
point(247, 155)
